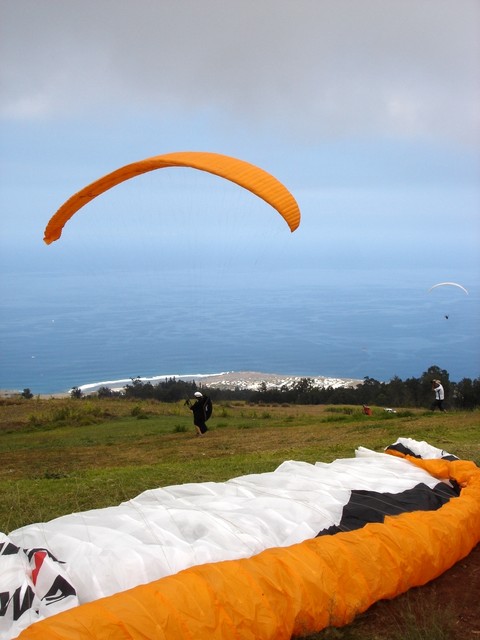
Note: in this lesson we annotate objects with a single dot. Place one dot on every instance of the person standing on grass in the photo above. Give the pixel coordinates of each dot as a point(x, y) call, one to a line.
point(439, 395)
point(201, 412)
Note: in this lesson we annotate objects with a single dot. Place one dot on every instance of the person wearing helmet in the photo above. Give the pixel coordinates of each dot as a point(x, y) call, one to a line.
point(199, 412)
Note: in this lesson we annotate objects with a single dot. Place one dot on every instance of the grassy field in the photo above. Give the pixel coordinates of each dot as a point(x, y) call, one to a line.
point(60, 456)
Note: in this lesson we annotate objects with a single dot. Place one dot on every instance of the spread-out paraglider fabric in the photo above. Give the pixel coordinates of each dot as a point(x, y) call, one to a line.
point(260, 556)
point(247, 175)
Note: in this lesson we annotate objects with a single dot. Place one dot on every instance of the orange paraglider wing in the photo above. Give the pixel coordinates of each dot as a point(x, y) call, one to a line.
point(246, 175)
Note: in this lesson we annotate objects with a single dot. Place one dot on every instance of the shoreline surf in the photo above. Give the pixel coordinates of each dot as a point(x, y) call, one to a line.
point(223, 380)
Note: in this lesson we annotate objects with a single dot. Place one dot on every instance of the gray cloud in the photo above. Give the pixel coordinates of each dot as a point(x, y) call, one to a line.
point(310, 67)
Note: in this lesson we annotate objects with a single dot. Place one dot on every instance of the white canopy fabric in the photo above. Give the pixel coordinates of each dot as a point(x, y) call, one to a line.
point(162, 531)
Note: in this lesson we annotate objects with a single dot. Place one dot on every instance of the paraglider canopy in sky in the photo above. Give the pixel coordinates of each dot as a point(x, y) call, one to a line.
point(450, 284)
point(246, 175)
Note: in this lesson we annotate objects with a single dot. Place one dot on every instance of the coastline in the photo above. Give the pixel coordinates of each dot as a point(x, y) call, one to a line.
point(245, 380)
point(254, 380)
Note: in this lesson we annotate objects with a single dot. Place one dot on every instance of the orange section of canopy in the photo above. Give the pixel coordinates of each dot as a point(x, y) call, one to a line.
point(296, 590)
point(246, 175)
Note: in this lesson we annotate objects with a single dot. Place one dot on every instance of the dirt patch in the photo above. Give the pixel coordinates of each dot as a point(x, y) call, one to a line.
point(453, 599)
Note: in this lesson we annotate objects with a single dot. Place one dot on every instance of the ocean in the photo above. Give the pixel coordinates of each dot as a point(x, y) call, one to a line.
point(60, 330)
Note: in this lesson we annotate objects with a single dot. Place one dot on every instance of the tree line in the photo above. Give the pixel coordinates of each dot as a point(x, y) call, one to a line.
point(412, 392)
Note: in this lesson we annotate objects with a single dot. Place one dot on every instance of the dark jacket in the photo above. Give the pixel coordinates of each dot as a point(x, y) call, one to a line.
point(198, 409)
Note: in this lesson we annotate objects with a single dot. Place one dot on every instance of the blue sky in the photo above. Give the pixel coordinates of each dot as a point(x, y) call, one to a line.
point(366, 110)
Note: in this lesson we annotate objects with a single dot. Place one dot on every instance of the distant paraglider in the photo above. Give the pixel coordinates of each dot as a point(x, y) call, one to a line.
point(451, 284)
point(246, 175)
point(448, 284)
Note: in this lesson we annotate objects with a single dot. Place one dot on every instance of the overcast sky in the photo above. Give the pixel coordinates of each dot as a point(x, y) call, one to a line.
point(368, 110)
point(314, 69)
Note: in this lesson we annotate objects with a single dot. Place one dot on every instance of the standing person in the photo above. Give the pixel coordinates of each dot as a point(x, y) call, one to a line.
point(439, 395)
point(201, 412)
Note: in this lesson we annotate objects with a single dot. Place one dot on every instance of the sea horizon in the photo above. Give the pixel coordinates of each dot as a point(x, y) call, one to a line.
point(88, 329)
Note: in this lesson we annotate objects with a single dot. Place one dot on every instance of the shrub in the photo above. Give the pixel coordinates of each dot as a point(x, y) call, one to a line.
point(179, 428)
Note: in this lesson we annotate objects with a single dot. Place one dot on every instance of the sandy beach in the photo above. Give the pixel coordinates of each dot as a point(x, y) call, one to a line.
point(225, 380)
point(252, 380)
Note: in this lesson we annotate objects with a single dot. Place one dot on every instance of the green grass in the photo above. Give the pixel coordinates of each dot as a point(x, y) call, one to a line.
point(63, 456)
point(60, 456)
